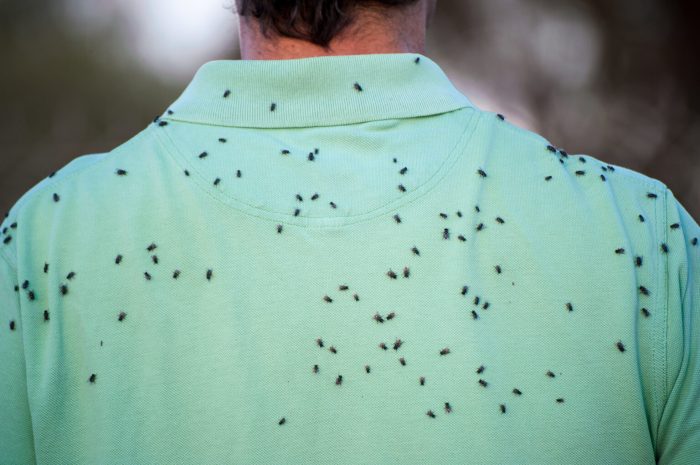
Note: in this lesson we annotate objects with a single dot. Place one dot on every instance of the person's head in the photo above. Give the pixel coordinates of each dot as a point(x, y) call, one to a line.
point(278, 28)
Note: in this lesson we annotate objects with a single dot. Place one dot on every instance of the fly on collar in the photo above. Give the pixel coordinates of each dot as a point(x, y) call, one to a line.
point(316, 91)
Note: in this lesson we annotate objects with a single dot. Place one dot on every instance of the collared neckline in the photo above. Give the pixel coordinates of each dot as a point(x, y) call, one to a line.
point(316, 91)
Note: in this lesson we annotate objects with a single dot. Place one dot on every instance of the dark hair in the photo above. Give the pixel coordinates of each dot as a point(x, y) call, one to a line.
point(317, 21)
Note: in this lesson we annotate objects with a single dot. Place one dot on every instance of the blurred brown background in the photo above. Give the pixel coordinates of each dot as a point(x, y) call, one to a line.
point(617, 80)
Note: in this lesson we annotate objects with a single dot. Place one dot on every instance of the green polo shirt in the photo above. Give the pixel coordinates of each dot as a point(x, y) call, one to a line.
point(342, 260)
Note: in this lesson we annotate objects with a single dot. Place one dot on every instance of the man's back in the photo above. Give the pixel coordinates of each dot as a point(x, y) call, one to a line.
point(342, 260)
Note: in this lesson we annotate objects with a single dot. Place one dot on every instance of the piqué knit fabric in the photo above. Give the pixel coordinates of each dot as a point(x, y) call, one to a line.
point(342, 260)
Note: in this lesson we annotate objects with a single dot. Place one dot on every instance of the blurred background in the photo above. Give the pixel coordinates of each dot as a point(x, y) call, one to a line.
point(617, 80)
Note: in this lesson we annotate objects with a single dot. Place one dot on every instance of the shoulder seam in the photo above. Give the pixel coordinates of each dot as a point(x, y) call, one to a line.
point(19, 205)
point(646, 181)
point(146, 132)
point(52, 182)
point(532, 135)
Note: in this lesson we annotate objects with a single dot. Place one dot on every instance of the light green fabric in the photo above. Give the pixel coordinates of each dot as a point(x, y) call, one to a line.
point(463, 241)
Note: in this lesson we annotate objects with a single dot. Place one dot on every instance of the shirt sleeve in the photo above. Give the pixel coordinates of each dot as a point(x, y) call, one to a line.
point(678, 438)
point(16, 437)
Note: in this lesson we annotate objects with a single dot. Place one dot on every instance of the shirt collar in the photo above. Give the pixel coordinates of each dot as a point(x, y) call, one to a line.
point(316, 91)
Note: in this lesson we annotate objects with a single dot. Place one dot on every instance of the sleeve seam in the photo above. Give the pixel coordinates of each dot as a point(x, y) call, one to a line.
point(661, 403)
point(13, 269)
point(10, 263)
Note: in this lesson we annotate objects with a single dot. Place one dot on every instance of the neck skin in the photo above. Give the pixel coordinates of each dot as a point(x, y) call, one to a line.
point(400, 30)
